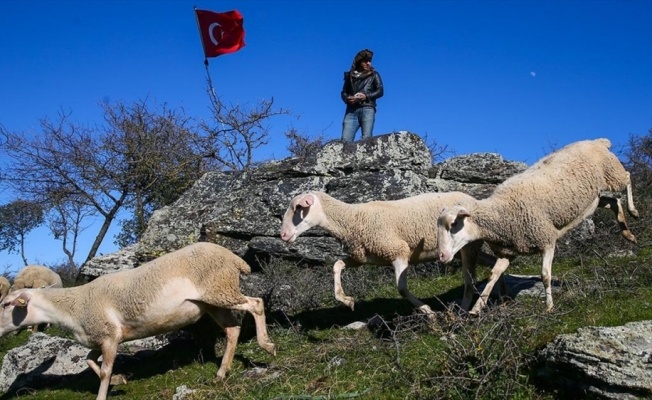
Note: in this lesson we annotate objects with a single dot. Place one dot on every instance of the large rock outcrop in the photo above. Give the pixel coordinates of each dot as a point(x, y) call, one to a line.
point(243, 211)
point(44, 359)
point(51, 360)
point(608, 362)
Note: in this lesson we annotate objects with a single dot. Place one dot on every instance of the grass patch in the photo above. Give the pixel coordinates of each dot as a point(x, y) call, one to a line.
point(401, 354)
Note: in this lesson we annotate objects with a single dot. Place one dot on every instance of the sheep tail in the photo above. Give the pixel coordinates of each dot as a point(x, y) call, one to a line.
point(605, 142)
point(243, 267)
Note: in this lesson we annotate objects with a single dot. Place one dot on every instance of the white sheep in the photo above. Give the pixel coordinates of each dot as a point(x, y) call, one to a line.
point(4, 287)
point(392, 233)
point(36, 276)
point(528, 212)
point(160, 296)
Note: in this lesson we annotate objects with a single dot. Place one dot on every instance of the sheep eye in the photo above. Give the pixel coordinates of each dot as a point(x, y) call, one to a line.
point(454, 224)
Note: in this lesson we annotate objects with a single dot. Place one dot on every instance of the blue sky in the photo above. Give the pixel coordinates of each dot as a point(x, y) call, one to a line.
point(513, 77)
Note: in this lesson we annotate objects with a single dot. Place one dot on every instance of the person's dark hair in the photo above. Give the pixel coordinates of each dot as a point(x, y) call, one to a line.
point(363, 55)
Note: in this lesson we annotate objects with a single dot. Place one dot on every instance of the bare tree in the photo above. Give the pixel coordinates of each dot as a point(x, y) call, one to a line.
point(438, 152)
point(235, 132)
point(303, 145)
point(639, 161)
point(66, 221)
point(162, 157)
point(17, 219)
point(140, 156)
point(64, 161)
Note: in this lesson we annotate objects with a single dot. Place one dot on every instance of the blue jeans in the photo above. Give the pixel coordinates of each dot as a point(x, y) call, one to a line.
point(363, 117)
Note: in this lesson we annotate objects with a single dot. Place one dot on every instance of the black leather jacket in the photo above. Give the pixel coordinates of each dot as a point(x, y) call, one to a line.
point(371, 86)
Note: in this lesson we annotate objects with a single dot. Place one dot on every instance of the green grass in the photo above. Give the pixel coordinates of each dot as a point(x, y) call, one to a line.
point(405, 355)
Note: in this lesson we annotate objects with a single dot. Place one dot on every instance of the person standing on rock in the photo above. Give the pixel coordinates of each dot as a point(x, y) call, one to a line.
point(362, 87)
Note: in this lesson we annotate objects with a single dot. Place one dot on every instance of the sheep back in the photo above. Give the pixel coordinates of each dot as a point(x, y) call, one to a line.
point(555, 194)
point(214, 271)
point(381, 228)
point(35, 276)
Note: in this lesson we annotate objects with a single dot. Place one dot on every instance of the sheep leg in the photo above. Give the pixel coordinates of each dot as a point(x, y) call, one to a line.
point(254, 306)
point(337, 277)
point(502, 287)
point(630, 199)
point(91, 360)
point(490, 261)
point(471, 254)
point(469, 258)
point(229, 323)
point(615, 205)
point(39, 328)
point(109, 352)
point(546, 274)
point(496, 272)
point(400, 267)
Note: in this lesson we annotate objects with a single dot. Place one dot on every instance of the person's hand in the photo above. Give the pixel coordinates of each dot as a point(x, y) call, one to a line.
point(361, 96)
point(351, 100)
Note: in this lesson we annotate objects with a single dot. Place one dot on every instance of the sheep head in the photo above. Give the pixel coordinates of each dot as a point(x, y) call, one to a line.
point(15, 311)
point(453, 232)
point(303, 213)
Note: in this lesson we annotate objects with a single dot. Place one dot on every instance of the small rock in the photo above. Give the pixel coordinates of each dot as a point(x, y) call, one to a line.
point(336, 361)
point(181, 392)
point(356, 326)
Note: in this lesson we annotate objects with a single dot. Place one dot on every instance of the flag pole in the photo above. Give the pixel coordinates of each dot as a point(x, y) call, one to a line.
point(208, 74)
point(201, 37)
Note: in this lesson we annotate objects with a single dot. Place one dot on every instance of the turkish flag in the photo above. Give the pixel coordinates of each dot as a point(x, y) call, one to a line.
point(221, 33)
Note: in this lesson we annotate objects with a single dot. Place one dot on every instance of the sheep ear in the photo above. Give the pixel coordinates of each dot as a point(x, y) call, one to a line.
point(306, 201)
point(21, 301)
point(462, 213)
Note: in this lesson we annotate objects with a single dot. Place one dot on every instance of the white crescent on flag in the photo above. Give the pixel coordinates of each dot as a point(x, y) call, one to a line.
point(210, 33)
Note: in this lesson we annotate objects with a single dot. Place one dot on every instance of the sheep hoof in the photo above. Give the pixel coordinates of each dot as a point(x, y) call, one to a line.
point(474, 313)
point(349, 302)
point(504, 298)
point(629, 236)
point(426, 309)
point(432, 317)
point(221, 374)
point(118, 380)
point(270, 348)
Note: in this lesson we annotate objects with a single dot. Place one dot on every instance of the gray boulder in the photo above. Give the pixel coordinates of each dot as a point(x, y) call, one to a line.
point(608, 362)
point(48, 360)
point(243, 210)
point(44, 359)
point(122, 259)
point(482, 168)
point(475, 174)
point(522, 285)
